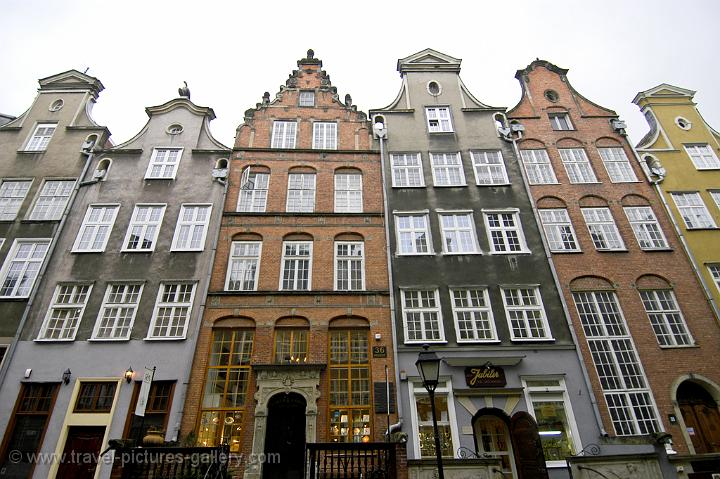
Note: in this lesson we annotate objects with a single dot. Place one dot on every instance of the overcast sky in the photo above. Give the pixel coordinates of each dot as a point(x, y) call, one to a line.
point(232, 52)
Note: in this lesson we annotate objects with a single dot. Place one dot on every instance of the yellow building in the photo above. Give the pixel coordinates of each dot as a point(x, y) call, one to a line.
point(682, 155)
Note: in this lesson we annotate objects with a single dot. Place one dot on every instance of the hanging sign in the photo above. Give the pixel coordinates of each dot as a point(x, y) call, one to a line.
point(485, 376)
point(144, 391)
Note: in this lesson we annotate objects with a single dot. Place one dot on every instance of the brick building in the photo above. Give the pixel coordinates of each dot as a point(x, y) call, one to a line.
point(645, 330)
point(296, 336)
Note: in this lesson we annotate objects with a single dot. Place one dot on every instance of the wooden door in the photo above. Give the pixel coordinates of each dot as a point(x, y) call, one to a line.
point(529, 457)
point(80, 456)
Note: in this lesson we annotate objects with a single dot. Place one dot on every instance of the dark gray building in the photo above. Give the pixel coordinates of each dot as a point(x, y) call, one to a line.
point(470, 278)
point(124, 291)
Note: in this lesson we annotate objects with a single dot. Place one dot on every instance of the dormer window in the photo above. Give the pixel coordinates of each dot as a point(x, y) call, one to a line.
point(560, 121)
point(307, 98)
point(438, 119)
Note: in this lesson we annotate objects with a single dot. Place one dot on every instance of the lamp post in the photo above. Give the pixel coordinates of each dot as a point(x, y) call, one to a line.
point(428, 365)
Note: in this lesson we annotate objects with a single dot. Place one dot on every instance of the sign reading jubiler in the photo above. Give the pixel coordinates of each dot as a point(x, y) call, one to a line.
point(485, 376)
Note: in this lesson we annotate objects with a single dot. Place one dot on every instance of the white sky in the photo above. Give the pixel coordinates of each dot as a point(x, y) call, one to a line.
point(232, 52)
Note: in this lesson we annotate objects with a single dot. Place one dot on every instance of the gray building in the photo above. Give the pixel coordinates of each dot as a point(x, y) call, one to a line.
point(470, 278)
point(124, 291)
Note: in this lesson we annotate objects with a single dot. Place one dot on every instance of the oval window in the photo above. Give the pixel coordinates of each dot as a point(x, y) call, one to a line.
point(552, 95)
point(433, 88)
point(683, 123)
point(57, 105)
point(175, 129)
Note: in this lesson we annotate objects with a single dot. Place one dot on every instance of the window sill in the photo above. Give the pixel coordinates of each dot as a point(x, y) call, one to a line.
point(586, 182)
point(84, 251)
point(108, 340)
point(619, 250)
point(179, 338)
point(540, 184)
point(657, 250)
point(523, 252)
point(493, 184)
point(680, 346)
point(706, 228)
point(14, 298)
point(621, 182)
point(713, 168)
point(532, 340)
point(468, 253)
point(450, 132)
point(424, 341)
point(408, 186)
point(154, 179)
point(397, 255)
point(30, 221)
point(187, 250)
point(566, 251)
point(40, 340)
point(450, 186)
point(30, 152)
point(137, 250)
point(479, 341)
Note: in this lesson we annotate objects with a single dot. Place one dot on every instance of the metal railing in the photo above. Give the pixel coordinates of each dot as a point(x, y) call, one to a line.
point(336, 460)
point(171, 463)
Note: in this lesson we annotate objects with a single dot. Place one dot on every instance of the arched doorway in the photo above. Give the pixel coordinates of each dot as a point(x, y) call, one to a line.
point(285, 437)
point(702, 419)
point(492, 437)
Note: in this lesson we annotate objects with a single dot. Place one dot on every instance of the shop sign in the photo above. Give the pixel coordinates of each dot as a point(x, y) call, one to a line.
point(485, 376)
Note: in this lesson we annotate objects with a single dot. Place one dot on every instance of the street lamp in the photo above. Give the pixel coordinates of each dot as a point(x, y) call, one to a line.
point(428, 364)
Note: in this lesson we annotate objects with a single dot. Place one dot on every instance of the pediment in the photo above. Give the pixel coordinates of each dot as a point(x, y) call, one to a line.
point(71, 80)
point(664, 90)
point(429, 59)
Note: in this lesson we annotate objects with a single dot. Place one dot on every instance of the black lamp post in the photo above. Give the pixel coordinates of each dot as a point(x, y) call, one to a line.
point(428, 365)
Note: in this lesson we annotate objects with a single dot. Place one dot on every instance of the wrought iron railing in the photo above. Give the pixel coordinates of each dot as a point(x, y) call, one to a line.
point(335, 460)
point(171, 463)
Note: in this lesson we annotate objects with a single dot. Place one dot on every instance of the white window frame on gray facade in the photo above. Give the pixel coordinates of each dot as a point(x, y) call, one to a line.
point(192, 226)
point(499, 233)
point(489, 168)
point(525, 313)
point(602, 228)
point(284, 134)
point(422, 306)
point(41, 136)
point(665, 317)
point(538, 168)
point(164, 164)
point(559, 230)
point(645, 225)
point(254, 187)
point(407, 170)
point(175, 303)
point(474, 321)
point(409, 232)
point(577, 165)
point(458, 232)
point(325, 135)
point(144, 227)
point(301, 193)
point(297, 259)
point(117, 314)
point(438, 119)
point(349, 266)
point(348, 192)
point(96, 227)
point(243, 266)
point(692, 208)
point(447, 169)
point(702, 156)
point(617, 165)
point(65, 312)
point(24, 260)
point(12, 195)
point(52, 199)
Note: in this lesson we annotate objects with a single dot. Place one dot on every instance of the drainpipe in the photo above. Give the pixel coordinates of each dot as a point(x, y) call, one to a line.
point(548, 256)
point(201, 309)
point(678, 231)
point(381, 133)
point(48, 257)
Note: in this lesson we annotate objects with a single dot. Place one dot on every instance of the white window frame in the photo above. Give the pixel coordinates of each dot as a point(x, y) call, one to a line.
point(99, 228)
point(702, 156)
point(144, 225)
point(439, 119)
point(291, 262)
point(454, 231)
point(603, 229)
point(503, 231)
point(646, 228)
point(192, 224)
point(617, 165)
point(489, 168)
point(66, 326)
point(160, 166)
point(557, 125)
point(715, 195)
point(446, 165)
point(348, 192)
point(462, 300)
point(577, 165)
point(691, 202)
point(254, 187)
point(606, 331)
point(301, 199)
point(538, 168)
point(402, 166)
point(24, 264)
point(524, 309)
point(118, 310)
point(173, 305)
point(325, 135)
point(444, 388)
point(54, 203)
point(666, 318)
point(347, 261)
point(422, 311)
point(714, 270)
point(241, 254)
point(552, 394)
point(303, 97)
point(414, 231)
point(284, 134)
point(12, 195)
point(39, 139)
point(559, 231)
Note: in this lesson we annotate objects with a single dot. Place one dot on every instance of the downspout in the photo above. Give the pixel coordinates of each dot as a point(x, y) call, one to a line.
point(566, 310)
point(201, 309)
point(48, 257)
point(678, 231)
point(388, 255)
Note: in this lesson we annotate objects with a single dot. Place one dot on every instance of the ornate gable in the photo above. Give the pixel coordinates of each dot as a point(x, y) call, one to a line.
point(72, 80)
point(429, 60)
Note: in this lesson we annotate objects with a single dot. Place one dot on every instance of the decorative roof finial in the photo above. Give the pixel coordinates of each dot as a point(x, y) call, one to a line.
point(310, 54)
point(266, 98)
point(348, 100)
point(184, 91)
